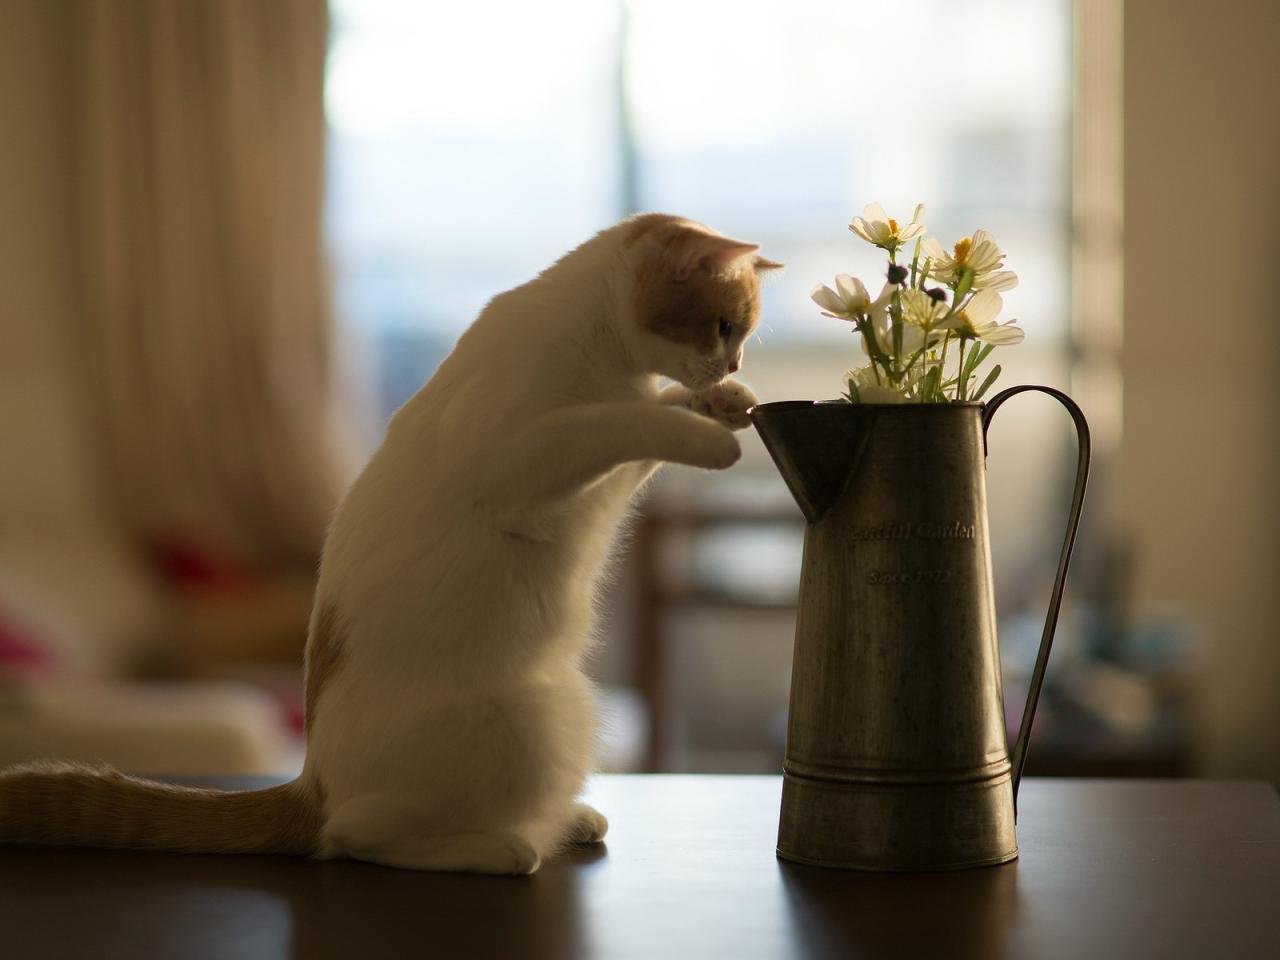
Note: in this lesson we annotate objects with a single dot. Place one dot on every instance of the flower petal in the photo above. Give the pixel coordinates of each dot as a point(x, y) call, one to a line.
point(875, 393)
point(920, 309)
point(984, 307)
point(884, 299)
point(912, 340)
point(873, 211)
point(944, 273)
point(1003, 334)
point(935, 251)
point(862, 375)
point(1000, 280)
point(826, 298)
point(859, 226)
point(852, 292)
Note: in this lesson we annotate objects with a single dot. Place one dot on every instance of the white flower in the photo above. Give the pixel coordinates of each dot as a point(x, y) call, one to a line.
point(912, 337)
point(979, 253)
point(850, 301)
point(977, 321)
point(871, 391)
point(877, 318)
point(878, 228)
point(847, 302)
point(921, 310)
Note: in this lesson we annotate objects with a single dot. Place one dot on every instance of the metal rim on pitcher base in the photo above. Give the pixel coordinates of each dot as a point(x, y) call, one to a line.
point(934, 868)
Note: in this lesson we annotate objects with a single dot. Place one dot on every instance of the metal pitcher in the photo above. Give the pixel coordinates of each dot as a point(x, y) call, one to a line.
point(897, 756)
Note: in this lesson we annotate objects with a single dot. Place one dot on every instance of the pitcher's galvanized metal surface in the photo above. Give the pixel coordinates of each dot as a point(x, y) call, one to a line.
point(897, 757)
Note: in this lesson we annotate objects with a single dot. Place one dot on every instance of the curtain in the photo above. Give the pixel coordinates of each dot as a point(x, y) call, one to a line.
point(205, 315)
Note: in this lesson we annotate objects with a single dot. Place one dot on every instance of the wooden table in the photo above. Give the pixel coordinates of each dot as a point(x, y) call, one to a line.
point(1117, 868)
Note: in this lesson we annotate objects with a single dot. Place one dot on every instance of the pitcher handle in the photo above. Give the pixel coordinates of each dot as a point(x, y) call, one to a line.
point(1019, 757)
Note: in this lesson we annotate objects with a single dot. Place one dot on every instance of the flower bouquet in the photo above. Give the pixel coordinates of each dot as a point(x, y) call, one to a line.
point(942, 304)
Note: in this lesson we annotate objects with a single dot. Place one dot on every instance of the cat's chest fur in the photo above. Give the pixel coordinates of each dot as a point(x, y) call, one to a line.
point(415, 544)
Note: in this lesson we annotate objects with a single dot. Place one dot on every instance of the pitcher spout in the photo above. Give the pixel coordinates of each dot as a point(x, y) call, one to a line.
point(815, 445)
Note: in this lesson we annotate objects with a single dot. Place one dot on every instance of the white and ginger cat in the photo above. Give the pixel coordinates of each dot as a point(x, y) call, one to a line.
point(449, 724)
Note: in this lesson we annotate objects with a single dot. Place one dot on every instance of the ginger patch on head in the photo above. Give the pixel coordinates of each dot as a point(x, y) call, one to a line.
point(326, 652)
point(692, 281)
point(691, 312)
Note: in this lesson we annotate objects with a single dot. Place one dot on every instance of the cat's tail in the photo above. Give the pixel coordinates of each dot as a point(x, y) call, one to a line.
point(75, 805)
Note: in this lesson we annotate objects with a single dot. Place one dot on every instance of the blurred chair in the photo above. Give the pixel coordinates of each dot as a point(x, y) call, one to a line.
point(82, 623)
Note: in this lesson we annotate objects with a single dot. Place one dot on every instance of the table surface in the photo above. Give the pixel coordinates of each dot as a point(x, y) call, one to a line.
point(1111, 868)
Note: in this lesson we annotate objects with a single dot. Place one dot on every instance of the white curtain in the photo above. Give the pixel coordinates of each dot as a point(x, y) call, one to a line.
point(205, 308)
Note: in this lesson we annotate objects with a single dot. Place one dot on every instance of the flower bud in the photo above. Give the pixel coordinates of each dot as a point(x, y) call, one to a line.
point(937, 294)
point(897, 274)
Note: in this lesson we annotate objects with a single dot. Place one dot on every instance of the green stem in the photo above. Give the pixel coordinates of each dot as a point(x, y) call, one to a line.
point(867, 329)
point(958, 301)
point(960, 384)
point(919, 353)
point(906, 372)
point(945, 343)
point(895, 312)
point(935, 385)
point(986, 384)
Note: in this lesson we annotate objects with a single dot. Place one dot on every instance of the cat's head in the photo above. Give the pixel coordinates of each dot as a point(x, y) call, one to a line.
point(694, 298)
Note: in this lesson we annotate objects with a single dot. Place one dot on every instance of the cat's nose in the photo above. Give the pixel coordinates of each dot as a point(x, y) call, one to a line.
point(734, 366)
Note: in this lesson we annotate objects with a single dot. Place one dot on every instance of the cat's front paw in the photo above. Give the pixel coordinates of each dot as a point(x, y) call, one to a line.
point(726, 402)
point(718, 450)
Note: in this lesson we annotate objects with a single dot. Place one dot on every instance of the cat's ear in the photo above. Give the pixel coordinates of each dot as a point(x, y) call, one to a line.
point(706, 252)
point(761, 264)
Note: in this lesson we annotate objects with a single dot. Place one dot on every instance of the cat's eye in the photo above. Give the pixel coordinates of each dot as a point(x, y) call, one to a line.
point(726, 328)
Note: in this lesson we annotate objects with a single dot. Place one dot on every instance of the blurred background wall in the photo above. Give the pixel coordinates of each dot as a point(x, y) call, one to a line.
point(1181, 559)
point(1200, 464)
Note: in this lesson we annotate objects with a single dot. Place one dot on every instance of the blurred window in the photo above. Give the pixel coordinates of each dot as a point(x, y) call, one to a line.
point(472, 144)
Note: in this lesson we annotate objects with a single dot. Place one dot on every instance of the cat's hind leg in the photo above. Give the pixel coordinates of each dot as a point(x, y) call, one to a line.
point(391, 832)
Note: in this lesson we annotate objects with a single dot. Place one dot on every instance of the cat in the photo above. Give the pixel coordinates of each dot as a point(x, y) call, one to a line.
point(449, 724)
